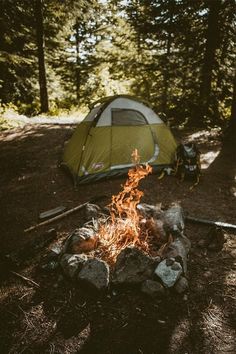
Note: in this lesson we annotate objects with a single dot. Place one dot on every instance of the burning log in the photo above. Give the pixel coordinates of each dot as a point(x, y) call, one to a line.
point(81, 240)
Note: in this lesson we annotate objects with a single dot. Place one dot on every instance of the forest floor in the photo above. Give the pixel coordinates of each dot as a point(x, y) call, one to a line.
point(58, 317)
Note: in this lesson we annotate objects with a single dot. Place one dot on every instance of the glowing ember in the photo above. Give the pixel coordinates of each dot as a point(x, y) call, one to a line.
point(124, 227)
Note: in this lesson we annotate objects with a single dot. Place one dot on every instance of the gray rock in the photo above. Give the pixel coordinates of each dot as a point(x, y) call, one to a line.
point(167, 274)
point(72, 263)
point(156, 259)
point(179, 250)
point(148, 210)
point(170, 261)
point(181, 286)
point(153, 288)
point(175, 266)
point(95, 273)
point(174, 219)
point(92, 211)
point(133, 267)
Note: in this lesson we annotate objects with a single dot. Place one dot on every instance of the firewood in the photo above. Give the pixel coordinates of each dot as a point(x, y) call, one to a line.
point(85, 246)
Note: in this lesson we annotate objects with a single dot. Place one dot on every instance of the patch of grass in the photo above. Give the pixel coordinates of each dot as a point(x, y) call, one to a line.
point(5, 124)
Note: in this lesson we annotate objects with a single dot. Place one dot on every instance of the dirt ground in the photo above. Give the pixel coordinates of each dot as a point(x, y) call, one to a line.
point(58, 317)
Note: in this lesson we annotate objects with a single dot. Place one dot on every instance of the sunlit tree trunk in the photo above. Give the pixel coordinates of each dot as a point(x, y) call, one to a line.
point(41, 56)
point(77, 72)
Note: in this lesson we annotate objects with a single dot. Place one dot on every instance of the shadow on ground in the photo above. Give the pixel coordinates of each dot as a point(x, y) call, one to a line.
point(59, 317)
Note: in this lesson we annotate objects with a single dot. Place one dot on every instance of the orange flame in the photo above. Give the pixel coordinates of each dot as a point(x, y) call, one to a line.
point(124, 227)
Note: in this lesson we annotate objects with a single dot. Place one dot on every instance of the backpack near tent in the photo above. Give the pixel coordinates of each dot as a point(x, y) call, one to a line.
point(187, 162)
point(103, 142)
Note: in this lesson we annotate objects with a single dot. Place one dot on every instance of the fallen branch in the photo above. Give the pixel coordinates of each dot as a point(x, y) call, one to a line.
point(224, 225)
point(58, 217)
point(26, 279)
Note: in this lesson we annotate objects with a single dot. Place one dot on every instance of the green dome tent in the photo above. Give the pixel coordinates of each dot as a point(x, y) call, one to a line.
point(103, 142)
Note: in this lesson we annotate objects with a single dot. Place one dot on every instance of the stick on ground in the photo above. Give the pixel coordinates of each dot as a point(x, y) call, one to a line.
point(32, 282)
point(68, 212)
point(224, 225)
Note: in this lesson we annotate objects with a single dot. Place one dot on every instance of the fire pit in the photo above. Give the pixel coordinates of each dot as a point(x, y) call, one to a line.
point(132, 244)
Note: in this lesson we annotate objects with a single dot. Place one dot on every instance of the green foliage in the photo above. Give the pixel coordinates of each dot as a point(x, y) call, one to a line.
point(7, 110)
point(163, 51)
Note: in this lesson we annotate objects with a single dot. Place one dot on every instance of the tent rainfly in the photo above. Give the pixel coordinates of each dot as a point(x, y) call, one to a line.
point(103, 142)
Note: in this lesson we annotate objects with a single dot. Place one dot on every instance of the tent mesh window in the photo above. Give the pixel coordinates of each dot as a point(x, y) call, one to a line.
point(127, 117)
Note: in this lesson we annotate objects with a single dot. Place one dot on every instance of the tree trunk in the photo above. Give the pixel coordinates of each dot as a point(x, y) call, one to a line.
point(41, 57)
point(166, 76)
point(231, 135)
point(77, 72)
point(212, 43)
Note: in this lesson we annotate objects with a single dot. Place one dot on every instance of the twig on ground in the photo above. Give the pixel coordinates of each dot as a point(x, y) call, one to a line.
point(26, 279)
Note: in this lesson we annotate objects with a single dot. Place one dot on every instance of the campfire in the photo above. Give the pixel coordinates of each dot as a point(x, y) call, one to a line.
point(136, 243)
point(125, 226)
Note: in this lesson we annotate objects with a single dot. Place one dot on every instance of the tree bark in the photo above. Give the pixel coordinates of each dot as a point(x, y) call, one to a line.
point(231, 135)
point(41, 56)
point(166, 76)
point(212, 43)
point(77, 72)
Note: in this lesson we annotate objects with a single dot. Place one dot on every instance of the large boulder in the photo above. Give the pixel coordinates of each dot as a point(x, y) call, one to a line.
point(95, 274)
point(133, 267)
